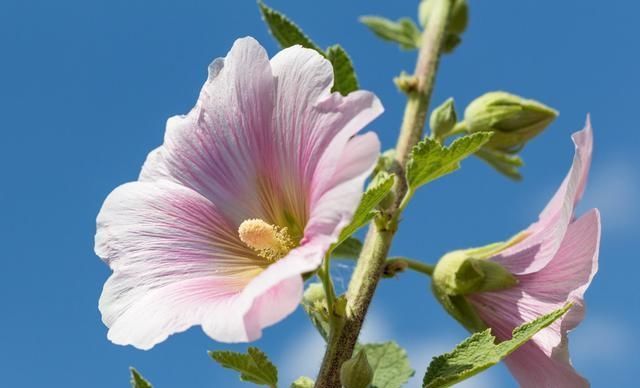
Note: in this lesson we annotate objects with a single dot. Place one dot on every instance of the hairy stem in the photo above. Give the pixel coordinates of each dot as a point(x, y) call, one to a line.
point(378, 241)
point(414, 265)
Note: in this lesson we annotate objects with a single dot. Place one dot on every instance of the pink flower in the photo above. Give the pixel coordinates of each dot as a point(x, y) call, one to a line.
point(246, 194)
point(554, 264)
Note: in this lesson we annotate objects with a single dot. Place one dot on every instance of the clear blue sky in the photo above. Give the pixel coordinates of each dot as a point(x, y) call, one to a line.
point(86, 88)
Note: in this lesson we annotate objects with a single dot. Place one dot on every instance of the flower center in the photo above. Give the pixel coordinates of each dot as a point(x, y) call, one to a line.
point(269, 241)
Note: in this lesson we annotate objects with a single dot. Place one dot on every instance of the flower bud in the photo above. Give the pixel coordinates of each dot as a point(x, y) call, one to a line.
point(513, 119)
point(458, 19)
point(466, 272)
point(443, 119)
point(314, 302)
point(356, 372)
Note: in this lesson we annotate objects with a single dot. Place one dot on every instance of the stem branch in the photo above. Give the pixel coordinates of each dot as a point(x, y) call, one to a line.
point(378, 241)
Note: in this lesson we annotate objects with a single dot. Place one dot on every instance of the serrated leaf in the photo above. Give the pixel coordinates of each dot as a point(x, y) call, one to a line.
point(345, 80)
point(404, 31)
point(430, 160)
point(137, 381)
point(254, 367)
point(286, 32)
point(350, 248)
point(374, 194)
point(480, 352)
point(504, 163)
point(303, 382)
point(390, 364)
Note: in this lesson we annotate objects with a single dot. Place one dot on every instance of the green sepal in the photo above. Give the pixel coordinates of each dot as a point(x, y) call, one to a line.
point(356, 372)
point(314, 303)
point(443, 119)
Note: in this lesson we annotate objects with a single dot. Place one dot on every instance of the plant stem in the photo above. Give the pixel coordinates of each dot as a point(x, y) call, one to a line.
point(414, 265)
point(378, 241)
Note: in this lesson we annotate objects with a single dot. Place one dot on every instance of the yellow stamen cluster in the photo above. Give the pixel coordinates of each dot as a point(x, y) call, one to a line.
point(269, 241)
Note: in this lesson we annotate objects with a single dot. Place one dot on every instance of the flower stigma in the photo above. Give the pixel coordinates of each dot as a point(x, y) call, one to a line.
point(270, 242)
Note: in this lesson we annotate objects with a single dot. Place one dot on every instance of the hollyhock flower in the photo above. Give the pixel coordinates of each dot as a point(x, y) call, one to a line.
point(246, 194)
point(549, 264)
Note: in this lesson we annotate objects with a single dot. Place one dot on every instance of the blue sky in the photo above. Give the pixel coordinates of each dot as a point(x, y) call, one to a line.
point(86, 88)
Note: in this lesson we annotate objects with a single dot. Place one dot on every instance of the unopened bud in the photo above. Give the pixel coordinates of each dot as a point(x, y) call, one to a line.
point(443, 119)
point(458, 19)
point(513, 119)
point(356, 372)
point(459, 273)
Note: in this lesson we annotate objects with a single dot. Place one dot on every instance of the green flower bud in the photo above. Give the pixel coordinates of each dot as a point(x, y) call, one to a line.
point(443, 119)
point(314, 302)
point(466, 272)
point(356, 372)
point(458, 19)
point(513, 119)
point(459, 273)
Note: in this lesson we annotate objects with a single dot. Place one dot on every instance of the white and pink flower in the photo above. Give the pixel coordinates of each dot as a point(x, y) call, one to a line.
point(246, 194)
point(554, 265)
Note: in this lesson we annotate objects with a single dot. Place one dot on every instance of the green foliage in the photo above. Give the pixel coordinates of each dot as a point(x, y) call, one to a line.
point(429, 160)
point(287, 34)
point(505, 163)
point(349, 248)
point(390, 364)
point(254, 367)
point(345, 80)
point(375, 193)
point(137, 381)
point(303, 382)
point(404, 31)
point(480, 352)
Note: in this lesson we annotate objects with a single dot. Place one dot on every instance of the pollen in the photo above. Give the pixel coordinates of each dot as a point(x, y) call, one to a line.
point(269, 241)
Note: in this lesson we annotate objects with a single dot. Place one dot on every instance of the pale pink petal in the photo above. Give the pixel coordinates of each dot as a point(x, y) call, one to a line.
point(334, 209)
point(223, 145)
point(161, 239)
point(564, 279)
point(535, 251)
point(313, 125)
point(534, 369)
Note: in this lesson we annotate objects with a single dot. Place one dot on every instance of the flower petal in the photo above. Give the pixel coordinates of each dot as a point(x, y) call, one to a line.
point(545, 236)
point(534, 369)
point(168, 247)
point(332, 211)
point(222, 146)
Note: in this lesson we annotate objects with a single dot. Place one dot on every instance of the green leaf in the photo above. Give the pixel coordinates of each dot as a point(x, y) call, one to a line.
point(303, 382)
point(137, 381)
point(254, 367)
point(480, 352)
point(350, 248)
point(390, 364)
point(345, 80)
point(504, 163)
point(429, 160)
point(374, 194)
point(404, 31)
point(286, 32)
